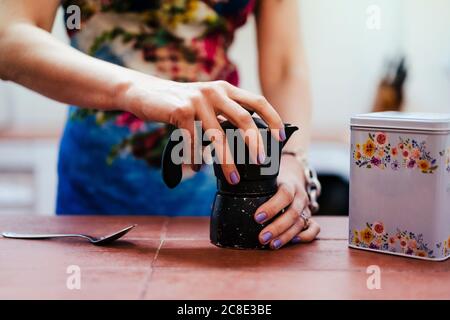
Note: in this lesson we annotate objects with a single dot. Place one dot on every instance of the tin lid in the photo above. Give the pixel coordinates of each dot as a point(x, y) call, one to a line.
point(403, 121)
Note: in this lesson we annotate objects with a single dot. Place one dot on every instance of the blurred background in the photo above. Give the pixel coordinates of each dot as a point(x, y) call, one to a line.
point(363, 56)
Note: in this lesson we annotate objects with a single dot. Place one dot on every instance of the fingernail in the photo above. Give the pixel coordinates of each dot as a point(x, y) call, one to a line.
point(260, 217)
point(266, 236)
point(296, 240)
point(282, 134)
point(234, 177)
point(277, 244)
point(261, 158)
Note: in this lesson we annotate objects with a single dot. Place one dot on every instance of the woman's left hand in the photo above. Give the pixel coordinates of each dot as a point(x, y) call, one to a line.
point(291, 196)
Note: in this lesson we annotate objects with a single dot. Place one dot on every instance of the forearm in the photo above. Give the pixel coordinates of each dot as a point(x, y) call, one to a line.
point(283, 68)
point(33, 58)
point(291, 97)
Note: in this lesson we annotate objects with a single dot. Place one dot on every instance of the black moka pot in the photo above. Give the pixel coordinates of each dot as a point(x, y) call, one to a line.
point(232, 217)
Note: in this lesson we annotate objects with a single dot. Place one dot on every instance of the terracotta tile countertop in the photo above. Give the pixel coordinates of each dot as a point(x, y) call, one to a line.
point(171, 258)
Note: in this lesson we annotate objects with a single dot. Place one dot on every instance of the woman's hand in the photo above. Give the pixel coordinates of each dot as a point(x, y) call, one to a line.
point(292, 196)
point(180, 104)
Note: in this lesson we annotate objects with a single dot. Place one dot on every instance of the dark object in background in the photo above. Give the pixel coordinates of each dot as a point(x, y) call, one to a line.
point(389, 95)
point(334, 199)
point(232, 218)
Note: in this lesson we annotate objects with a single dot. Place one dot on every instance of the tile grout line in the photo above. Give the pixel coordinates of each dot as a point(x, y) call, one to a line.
point(148, 278)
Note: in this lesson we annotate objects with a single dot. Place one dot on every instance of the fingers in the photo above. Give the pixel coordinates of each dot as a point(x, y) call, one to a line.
point(309, 234)
point(189, 138)
point(275, 232)
point(219, 97)
point(288, 235)
point(287, 225)
point(242, 119)
point(261, 106)
point(222, 149)
point(283, 198)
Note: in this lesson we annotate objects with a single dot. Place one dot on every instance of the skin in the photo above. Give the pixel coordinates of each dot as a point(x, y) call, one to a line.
point(30, 56)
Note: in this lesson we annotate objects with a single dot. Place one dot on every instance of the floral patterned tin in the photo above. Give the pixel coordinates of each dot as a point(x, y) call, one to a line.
point(400, 184)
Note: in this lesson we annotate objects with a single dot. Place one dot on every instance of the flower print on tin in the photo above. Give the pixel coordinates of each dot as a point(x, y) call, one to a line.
point(379, 151)
point(374, 236)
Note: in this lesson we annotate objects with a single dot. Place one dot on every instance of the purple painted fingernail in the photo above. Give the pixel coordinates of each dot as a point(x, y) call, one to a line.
point(296, 240)
point(260, 217)
point(267, 236)
point(277, 244)
point(234, 177)
point(261, 158)
point(282, 134)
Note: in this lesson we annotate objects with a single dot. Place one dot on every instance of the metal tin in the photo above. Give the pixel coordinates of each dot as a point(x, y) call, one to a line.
point(400, 184)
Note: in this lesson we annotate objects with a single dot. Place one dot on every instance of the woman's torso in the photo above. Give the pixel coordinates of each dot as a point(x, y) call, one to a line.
point(110, 161)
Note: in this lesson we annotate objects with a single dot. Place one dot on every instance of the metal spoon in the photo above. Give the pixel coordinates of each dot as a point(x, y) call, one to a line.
point(96, 241)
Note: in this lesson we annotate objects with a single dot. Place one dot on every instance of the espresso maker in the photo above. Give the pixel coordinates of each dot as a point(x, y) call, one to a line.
point(232, 222)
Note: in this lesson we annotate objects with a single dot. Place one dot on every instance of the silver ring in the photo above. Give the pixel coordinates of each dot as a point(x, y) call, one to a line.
point(305, 216)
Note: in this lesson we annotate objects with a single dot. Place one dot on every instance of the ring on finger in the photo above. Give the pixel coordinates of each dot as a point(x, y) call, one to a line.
point(305, 216)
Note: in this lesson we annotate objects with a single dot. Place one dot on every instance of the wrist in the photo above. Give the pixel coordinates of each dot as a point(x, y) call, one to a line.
point(122, 96)
point(299, 155)
point(132, 92)
point(312, 184)
point(146, 97)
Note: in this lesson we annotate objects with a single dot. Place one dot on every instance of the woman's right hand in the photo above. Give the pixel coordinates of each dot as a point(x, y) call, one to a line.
point(180, 104)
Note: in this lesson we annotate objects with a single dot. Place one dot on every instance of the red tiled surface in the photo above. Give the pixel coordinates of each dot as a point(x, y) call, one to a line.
point(171, 258)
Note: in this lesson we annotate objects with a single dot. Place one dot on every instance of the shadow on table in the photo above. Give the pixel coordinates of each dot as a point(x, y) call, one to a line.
point(329, 255)
point(200, 255)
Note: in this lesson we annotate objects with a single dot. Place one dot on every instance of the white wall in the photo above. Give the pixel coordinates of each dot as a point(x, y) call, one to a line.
point(346, 58)
point(5, 113)
point(427, 41)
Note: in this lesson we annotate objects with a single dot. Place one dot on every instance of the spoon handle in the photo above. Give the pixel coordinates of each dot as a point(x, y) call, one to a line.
point(13, 235)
